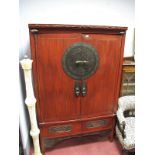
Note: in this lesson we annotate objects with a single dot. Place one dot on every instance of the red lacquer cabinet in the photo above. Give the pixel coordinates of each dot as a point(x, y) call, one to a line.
point(76, 73)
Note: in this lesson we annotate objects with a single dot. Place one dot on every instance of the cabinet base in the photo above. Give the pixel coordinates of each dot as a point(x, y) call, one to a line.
point(51, 134)
point(50, 143)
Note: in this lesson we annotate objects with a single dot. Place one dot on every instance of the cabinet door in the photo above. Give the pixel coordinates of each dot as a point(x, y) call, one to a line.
point(103, 85)
point(56, 90)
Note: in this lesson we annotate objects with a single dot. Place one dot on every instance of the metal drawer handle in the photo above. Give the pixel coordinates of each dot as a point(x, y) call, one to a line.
point(95, 124)
point(61, 129)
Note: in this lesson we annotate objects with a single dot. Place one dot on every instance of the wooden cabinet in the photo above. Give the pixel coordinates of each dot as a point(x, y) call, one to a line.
point(76, 72)
point(128, 77)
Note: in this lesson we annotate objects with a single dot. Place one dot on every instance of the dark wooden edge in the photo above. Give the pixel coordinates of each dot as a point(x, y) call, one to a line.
point(131, 58)
point(76, 27)
point(129, 61)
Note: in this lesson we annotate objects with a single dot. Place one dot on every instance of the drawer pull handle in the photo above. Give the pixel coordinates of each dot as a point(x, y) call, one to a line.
point(60, 129)
point(95, 124)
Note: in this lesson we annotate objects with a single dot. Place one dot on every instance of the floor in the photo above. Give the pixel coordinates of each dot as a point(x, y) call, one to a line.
point(88, 145)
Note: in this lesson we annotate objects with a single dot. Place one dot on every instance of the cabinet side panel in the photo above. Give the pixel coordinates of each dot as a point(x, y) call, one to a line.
point(119, 72)
point(34, 70)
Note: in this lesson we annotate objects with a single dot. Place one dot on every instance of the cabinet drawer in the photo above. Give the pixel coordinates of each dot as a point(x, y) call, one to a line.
point(60, 130)
point(97, 124)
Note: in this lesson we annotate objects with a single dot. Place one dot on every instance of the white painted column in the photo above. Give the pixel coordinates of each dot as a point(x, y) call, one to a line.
point(31, 102)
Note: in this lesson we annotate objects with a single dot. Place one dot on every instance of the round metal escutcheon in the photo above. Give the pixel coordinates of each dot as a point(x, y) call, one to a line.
point(80, 61)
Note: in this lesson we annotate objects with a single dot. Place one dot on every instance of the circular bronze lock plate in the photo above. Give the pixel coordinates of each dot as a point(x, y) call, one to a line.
point(80, 61)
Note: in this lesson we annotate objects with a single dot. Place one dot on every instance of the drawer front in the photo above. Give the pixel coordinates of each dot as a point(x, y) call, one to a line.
point(60, 130)
point(97, 124)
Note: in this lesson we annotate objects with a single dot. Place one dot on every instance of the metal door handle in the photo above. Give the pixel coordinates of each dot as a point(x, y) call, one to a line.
point(80, 88)
point(77, 89)
point(84, 89)
point(81, 62)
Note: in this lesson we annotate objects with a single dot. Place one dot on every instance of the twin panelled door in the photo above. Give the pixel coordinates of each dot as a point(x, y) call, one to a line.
point(57, 97)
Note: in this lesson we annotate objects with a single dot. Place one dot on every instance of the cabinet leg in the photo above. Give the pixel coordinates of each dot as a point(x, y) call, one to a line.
point(111, 136)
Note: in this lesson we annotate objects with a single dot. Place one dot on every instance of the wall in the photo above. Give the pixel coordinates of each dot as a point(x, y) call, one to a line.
point(91, 12)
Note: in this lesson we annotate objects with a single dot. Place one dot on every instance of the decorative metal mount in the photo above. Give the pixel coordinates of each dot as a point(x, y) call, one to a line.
point(77, 88)
point(60, 129)
point(95, 124)
point(80, 61)
point(80, 88)
point(84, 89)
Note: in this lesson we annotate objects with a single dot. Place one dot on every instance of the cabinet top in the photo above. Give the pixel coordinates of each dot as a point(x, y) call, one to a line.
point(77, 27)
